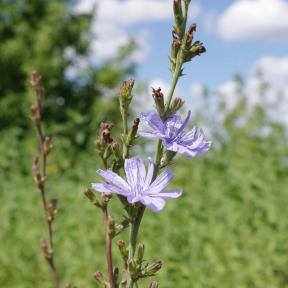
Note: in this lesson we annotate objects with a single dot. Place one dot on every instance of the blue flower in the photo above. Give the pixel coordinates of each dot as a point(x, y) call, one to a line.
point(173, 135)
point(138, 186)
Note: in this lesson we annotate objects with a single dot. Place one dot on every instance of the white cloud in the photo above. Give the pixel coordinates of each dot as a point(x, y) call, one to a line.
point(113, 17)
point(255, 19)
point(275, 73)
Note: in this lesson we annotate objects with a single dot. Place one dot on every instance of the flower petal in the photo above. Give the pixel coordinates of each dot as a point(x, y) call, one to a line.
point(169, 194)
point(155, 204)
point(184, 123)
point(116, 190)
point(153, 120)
point(149, 174)
point(152, 134)
point(172, 125)
point(136, 173)
point(171, 146)
point(160, 182)
point(205, 146)
point(198, 141)
point(99, 187)
point(113, 178)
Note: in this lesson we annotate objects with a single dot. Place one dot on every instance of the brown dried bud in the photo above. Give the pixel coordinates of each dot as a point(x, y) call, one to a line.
point(47, 144)
point(132, 134)
point(37, 175)
point(151, 269)
point(106, 197)
point(159, 101)
point(45, 251)
point(105, 130)
point(51, 210)
point(35, 79)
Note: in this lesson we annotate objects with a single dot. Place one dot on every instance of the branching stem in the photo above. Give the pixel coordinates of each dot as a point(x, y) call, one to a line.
point(49, 223)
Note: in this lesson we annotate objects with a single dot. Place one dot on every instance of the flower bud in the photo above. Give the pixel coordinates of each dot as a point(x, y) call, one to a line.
point(37, 175)
point(35, 79)
point(167, 158)
point(159, 101)
point(132, 268)
point(111, 226)
point(123, 281)
point(47, 144)
point(154, 284)
point(132, 134)
point(45, 251)
point(133, 211)
point(67, 285)
point(124, 94)
point(34, 116)
point(108, 151)
point(51, 210)
point(99, 147)
point(117, 150)
point(139, 254)
point(93, 198)
point(178, 15)
point(176, 105)
point(106, 197)
point(99, 277)
point(116, 274)
point(123, 250)
point(151, 269)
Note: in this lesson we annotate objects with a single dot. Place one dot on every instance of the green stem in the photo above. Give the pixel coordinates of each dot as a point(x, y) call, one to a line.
point(125, 148)
point(176, 76)
point(132, 245)
point(185, 12)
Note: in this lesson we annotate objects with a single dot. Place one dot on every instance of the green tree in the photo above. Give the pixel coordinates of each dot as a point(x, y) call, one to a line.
point(34, 35)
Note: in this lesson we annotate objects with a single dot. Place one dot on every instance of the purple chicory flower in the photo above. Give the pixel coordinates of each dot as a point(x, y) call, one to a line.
point(173, 136)
point(138, 186)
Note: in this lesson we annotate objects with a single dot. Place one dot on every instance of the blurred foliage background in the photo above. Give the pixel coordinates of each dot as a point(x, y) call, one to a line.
point(230, 227)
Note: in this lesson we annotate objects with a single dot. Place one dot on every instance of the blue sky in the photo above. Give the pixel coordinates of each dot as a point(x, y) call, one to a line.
point(239, 36)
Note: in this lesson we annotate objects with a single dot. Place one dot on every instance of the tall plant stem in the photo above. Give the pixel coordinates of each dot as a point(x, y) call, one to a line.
point(108, 240)
point(125, 125)
point(40, 134)
point(134, 228)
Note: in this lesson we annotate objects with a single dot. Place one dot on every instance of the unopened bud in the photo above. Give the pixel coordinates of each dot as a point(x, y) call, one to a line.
point(133, 211)
point(139, 254)
point(123, 250)
point(99, 277)
point(178, 14)
point(45, 251)
point(123, 281)
point(197, 49)
point(37, 175)
point(132, 134)
point(176, 104)
point(151, 269)
point(67, 285)
point(99, 148)
point(108, 151)
point(159, 101)
point(125, 96)
point(47, 144)
point(51, 210)
point(117, 150)
point(111, 226)
point(93, 198)
point(154, 284)
point(35, 79)
point(132, 268)
point(106, 197)
point(167, 158)
point(34, 116)
point(116, 274)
